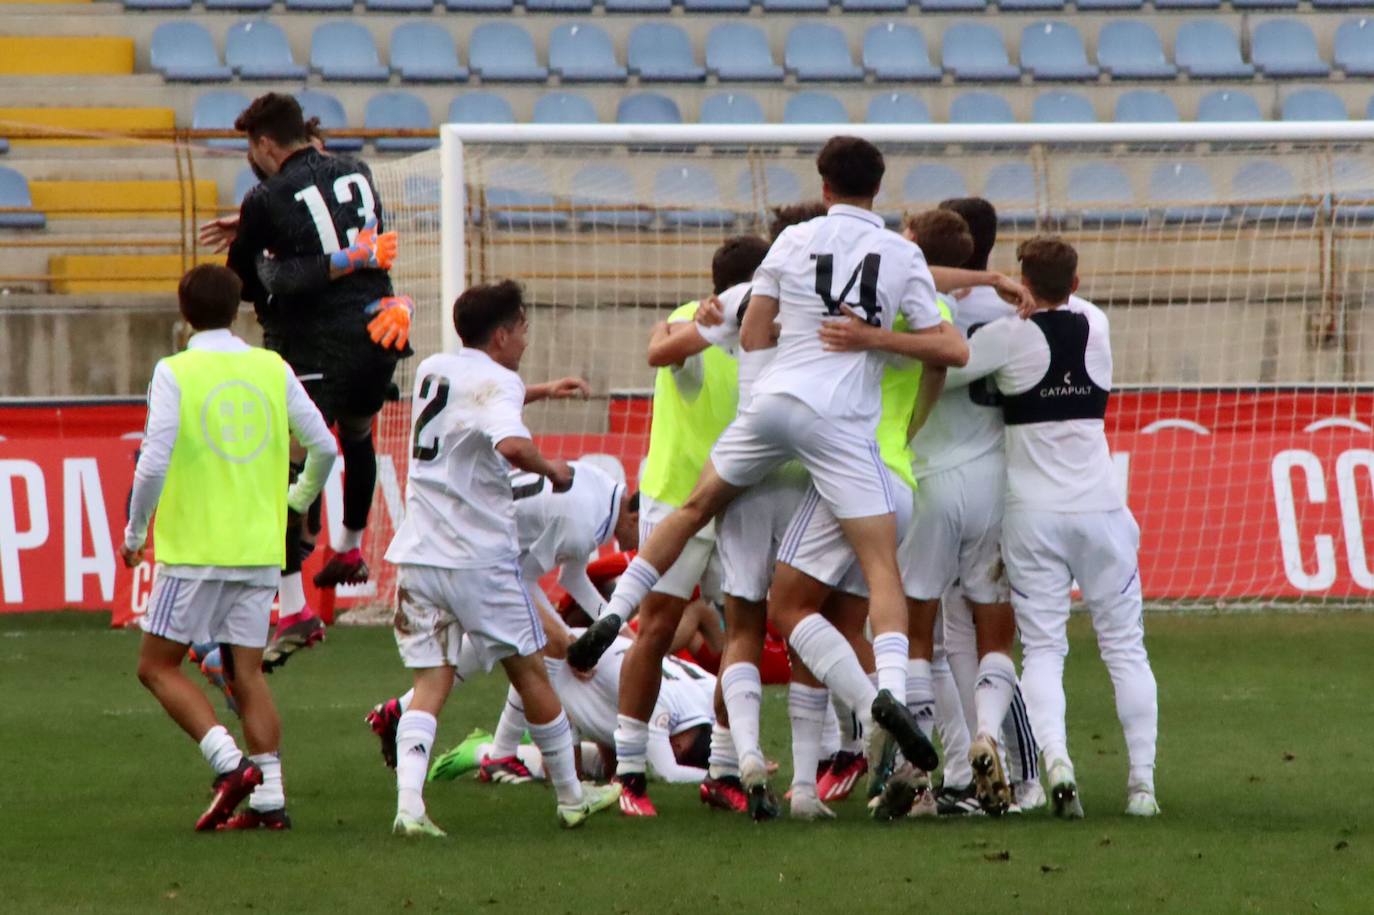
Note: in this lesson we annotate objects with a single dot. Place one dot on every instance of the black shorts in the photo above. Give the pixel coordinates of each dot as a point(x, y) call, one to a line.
point(345, 374)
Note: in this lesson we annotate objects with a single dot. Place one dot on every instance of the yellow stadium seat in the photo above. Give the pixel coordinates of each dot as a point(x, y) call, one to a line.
point(121, 272)
point(82, 126)
point(66, 56)
point(121, 199)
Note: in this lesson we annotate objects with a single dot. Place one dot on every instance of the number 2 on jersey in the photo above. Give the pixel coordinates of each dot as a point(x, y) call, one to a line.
point(865, 274)
point(419, 450)
point(343, 192)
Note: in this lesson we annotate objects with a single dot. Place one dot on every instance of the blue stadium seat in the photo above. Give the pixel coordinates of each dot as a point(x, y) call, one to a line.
point(243, 6)
point(1062, 108)
point(980, 108)
point(1368, 111)
point(244, 182)
point(330, 111)
point(896, 51)
point(399, 111)
point(1313, 105)
point(320, 6)
point(976, 53)
point(604, 196)
point(737, 51)
point(1286, 49)
point(897, 108)
point(14, 194)
point(1187, 4)
point(1100, 194)
point(1145, 106)
point(517, 198)
point(558, 6)
point(1342, 4)
point(874, 6)
point(1128, 49)
point(258, 49)
point(731, 108)
point(422, 52)
point(503, 52)
point(1264, 4)
point(185, 52)
point(345, 51)
point(814, 108)
point(795, 6)
point(157, 4)
point(1187, 191)
point(1013, 189)
point(564, 108)
point(931, 182)
point(953, 6)
point(1087, 6)
point(1355, 47)
point(1028, 6)
point(647, 108)
point(399, 6)
point(1270, 194)
point(218, 111)
point(1206, 49)
point(583, 53)
point(690, 196)
point(717, 6)
point(774, 186)
point(1353, 182)
point(660, 52)
point(819, 52)
point(1054, 51)
point(1229, 105)
point(479, 6)
point(480, 108)
point(639, 6)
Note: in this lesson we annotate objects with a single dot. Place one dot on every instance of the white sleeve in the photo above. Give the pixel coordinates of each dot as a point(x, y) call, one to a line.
point(308, 427)
point(768, 276)
point(572, 576)
point(504, 416)
point(154, 454)
point(664, 762)
point(989, 350)
point(724, 335)
point(918, 301)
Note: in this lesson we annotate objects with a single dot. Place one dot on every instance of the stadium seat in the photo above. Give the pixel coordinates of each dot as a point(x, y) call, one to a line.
point(583, 53)
point(953, 6)
point(1054, 51)
point(1100, 194)
point(345, 51)
point(816, 52)
point(320, 6)
point(330, 111)
point(1187, 4)
point(980, 108)
point(604, 196)
point(717, 6)
point(517, 198)
point(1013, 189)
point(1206, 49)
point(218, 111)
point(647, 108)
point(184, 51)
point(503, 52)
point(1353, 182)
point(422, 52)
point(1342, 4)
point(1313, 105)
point(1030, 6)
point(1270, 194)
point(690, 196)
point(814, 108)
point(874, 6)
point(1145, 106)
point(258, 49)
point(479, 6)
point(897, 108)
point(1355, 47)
point(14, 195)
point(564, 108)
point(976, 53)
point(1187, 191)
point(731, 108)
point(480, 108)
point(244, 182)
point(399, 111)
point(639, 6)
point(157, 4)
point(399, 6)
point(774, 186)
point(1229, 105)
point(931, 182)
point(896, 51)
point(1264, 4)
point(1286, 49)
point(659, 52)
point(796, 6)
point(1127, 49)
point(558, 6)
point(1087, 6)
point(1062, 108)
point(736, 51)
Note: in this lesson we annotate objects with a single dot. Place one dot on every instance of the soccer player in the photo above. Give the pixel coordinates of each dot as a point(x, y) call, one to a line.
point(458, 549)
point(214, 465)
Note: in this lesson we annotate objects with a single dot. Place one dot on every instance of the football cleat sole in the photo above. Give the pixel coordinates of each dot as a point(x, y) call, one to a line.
point(587, 649)
point(990, 781)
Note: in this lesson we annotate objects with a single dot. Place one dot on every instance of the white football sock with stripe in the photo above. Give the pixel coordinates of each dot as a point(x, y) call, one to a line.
point(554, 740)
point(920, 694)
point(993, 691)
point(806, 707)
point(631, 588)
point(220, 751)
point(271, 794)
point(510, 728)
point(889, 657)
point(829, 657)
point(742, 688)
point(414, 742)
point(631, 745)
point(723, 761)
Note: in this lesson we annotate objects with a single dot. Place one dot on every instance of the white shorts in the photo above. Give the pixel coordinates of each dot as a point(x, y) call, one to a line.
point(436, 607)
point(956, 533)
point(189, 610)
point(815, 544)
point(752, 528)
point(844, 464)
point(683, 576)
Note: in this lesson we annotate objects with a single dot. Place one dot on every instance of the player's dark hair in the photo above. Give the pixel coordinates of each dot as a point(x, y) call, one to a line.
point(851, 166)
point(736, 260)
point(313, 131)
point(1048, 265)
point(943, 237)
point(208, 296)
point(481, 310)
point(698, 753)
point(981, 217)
point(785, 217)
point(276, 116)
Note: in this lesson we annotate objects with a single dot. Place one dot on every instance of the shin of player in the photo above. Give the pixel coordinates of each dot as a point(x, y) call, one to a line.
point(214, 465)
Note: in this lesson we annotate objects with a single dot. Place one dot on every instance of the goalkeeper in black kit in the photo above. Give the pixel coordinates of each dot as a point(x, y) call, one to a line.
point(312, 253)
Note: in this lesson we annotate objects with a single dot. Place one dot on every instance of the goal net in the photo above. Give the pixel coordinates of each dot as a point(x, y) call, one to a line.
point(1234, 262)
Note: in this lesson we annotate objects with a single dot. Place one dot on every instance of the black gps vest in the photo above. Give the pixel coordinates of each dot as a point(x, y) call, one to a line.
point(1066, 391)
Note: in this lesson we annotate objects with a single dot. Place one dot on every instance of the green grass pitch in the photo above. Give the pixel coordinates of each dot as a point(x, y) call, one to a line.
point(1264, 775)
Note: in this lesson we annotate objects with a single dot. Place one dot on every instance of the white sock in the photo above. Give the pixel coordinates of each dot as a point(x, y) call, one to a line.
point(632, 587)
point(405, 699)
point(593, 763)
point(1042, 683)
point(414, 741)
point(510, 728)
point(831, 660)
point(949, 723)
point(889, 656)
point(851, 731)
point(743, 691)
point(292, 594)
point(351, 540)
point(271, 794)
point(532, 759)
point(830, 733)
point(220, 751)
point(920, 694)
point(806, 707)
point(723, 761)
point(554, 740)
point(993, 692)
point(631, 745)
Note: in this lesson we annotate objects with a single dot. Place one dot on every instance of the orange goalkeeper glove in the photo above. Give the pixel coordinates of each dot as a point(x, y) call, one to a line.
point(369, 251)
point(390, 329)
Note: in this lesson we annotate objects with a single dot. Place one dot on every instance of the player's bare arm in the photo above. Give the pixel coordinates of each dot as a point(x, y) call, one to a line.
point(932, 386)
point(675, 343)
point(561, 389)
point(524, 454)
point(940, 345)
point(757, 331)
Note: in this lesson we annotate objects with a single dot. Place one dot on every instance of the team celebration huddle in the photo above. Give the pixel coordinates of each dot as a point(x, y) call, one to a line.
point(865, 446)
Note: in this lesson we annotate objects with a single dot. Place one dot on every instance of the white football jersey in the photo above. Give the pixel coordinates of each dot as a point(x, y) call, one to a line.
point(459, 512)
point(846, 257)
point(558, 527)
point(726, 337)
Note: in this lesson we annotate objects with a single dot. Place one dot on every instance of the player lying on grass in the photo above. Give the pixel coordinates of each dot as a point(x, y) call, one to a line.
point(214, 464)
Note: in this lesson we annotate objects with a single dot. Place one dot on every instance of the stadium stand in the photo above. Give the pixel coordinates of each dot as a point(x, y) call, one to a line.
point(1286, 48)
point(480, 108)
point(258, 49)
point(819, 53)
point(736, 51)
point(897, 108)
point(583, 53)
point(218, 111)
point(814, 108)
point(647, 108)
point(980, 108)
point(399, 111)
point(422, 52)
point(503, 52)
point(1185, 187)
point(976, 53)
point(660, 52)
point(345, 52)
point(1127, 49)
point(731, 108)
point(680, 191)
point(609, 196)
point(894, 51)
point(1102, 195)
point(15, 195)
point(330, 111)
point(1229, 105)
point(564, 108)
point(1261, 183)
point(1145, 106)
point(1313, 105)
point(772, 183)
point(1062, 108)
point(1354, 47)
point(1206, 49)
point(184, 51)
point(1054, 51)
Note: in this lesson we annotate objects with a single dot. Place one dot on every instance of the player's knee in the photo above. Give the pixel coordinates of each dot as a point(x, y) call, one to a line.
point(151, 671)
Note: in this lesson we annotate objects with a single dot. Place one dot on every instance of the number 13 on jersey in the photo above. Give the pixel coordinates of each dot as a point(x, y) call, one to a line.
point(344, 189)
